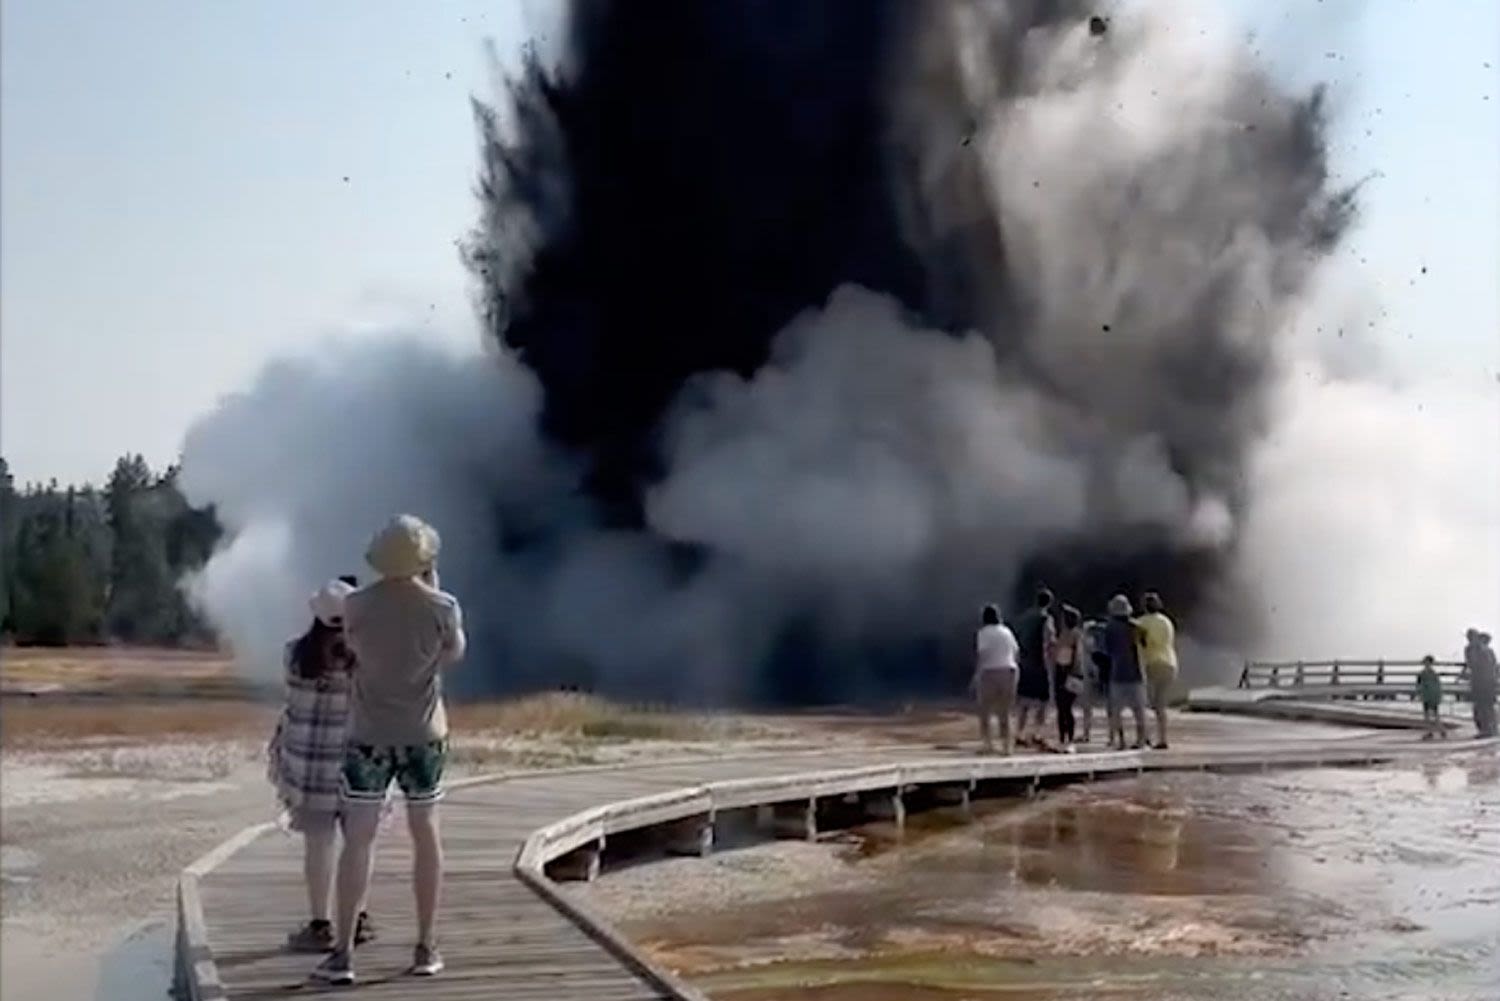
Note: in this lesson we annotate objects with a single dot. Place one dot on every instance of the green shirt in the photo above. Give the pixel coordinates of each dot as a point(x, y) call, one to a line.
point(1430, 686)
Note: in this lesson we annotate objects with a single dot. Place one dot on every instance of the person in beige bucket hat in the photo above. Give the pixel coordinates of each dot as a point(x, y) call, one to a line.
point(406, 547)
point(403, 631)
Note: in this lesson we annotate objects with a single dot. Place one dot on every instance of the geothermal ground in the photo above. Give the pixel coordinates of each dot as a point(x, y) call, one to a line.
point(119, 767)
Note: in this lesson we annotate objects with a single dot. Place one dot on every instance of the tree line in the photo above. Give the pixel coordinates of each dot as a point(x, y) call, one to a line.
point(83, 565)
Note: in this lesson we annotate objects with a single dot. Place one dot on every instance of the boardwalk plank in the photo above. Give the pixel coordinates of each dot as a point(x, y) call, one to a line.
point(501, 939)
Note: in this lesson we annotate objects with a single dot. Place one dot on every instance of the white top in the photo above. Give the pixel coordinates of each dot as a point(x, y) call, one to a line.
point(996, 648)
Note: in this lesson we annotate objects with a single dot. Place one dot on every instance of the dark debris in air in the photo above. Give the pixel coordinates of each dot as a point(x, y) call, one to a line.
point(1098, 25)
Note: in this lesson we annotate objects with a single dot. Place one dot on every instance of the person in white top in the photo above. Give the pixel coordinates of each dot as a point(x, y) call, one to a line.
point(996, 672)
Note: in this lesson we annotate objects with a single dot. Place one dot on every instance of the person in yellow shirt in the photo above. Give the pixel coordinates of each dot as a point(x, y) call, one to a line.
point(1158, 643)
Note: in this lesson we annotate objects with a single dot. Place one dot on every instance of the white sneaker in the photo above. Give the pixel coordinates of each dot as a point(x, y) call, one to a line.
point(426, 961)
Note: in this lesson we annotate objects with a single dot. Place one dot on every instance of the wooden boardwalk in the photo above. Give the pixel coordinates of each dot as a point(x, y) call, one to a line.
point(500, 936)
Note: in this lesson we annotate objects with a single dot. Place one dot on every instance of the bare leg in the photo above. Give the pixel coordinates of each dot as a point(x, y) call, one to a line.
point(427, 866)
point(1138, 709)
point(361, 824)
point(319, 861)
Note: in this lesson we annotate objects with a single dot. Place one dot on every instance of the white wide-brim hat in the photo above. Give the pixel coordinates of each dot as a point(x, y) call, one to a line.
point(405, 547)
point(327, 602)
point(1119, 605)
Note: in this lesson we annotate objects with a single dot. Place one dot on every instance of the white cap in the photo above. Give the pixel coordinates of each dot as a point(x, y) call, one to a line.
point(327, 603)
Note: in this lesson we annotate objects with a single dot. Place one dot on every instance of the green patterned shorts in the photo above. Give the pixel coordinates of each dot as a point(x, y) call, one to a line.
point(416, 768)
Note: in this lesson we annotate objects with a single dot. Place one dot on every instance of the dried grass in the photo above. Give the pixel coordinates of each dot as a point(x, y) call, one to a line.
point(588, 717)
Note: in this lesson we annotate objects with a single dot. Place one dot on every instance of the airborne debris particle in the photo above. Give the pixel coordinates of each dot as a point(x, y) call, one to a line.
point(1098, 25)
point(1106, 328)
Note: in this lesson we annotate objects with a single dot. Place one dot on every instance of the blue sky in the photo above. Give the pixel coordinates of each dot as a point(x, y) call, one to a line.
point(190, 189)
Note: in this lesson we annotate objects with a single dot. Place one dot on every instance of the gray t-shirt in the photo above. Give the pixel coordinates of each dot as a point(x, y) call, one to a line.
point(402, 633)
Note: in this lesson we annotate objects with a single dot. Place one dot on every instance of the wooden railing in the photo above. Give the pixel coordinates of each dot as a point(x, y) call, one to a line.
point(1392, 677)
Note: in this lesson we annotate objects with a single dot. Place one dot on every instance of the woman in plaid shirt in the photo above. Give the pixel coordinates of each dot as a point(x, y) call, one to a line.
point(307, 752)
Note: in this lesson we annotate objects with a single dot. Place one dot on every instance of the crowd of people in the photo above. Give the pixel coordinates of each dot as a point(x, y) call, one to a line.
point(1049, 656)
point(365, 710)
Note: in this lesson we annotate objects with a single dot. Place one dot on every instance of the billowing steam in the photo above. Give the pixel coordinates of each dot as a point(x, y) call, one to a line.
point(813, 326)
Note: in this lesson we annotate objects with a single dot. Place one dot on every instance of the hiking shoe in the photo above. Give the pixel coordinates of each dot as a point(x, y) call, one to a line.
point(337, 969)
point(426, 961)
point(315, 936)
point(364, 929)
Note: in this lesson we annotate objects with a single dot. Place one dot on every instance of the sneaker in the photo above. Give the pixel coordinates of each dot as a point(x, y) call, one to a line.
point(426, 961)
point(364, 929)
point(1069, 749)
point(315, 936)
point(337, 969)
point(1160, 745)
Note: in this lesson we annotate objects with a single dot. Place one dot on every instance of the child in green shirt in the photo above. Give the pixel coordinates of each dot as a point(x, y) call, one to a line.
point(1430, 689)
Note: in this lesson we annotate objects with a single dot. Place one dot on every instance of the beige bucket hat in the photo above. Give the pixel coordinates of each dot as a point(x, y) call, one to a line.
point(405, 547)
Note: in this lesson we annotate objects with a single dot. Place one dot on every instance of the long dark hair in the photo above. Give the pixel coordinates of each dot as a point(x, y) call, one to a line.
point(320, 651)
point(311, 651)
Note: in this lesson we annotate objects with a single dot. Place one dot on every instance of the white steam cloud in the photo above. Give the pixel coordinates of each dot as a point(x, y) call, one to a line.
point(874, 471)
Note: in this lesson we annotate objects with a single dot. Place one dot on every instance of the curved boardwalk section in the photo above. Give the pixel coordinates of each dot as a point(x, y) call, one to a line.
point(506, 932)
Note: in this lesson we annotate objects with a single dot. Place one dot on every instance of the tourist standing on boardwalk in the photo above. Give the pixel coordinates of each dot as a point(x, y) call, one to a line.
point(1430, 690)
point(1036, 633)
point(402, 631)
point(1480, 668)
point(1159, 652)
point(305, 755)
point(1096, 665)
point(995, 676)
point(1122, 643)
point(1069, 678)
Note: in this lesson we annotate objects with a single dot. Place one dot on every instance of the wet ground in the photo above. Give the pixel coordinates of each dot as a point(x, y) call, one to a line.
point(1360, 884)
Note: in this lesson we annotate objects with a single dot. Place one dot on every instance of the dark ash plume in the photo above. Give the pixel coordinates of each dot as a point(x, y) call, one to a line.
point(1113, 223)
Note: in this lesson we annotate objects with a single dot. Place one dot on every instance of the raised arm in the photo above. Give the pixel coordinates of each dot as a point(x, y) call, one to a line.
point(455, 640)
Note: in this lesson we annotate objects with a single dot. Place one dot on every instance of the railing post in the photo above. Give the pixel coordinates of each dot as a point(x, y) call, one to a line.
point(1245, 675)
point(1275, 675)
point(1299, 674)
point(1380, 671)
point(1335, 672)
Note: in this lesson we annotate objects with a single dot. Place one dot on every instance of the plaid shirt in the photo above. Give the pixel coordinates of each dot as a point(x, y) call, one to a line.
point(306, 752)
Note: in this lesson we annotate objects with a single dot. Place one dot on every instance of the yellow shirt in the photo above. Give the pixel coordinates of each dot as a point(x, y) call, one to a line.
point(1158, 639)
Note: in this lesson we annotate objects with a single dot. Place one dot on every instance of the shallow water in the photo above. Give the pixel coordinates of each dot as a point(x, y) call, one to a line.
point(1360, 884)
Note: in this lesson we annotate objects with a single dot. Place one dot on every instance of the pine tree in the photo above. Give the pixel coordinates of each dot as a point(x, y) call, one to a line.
point(141, 585)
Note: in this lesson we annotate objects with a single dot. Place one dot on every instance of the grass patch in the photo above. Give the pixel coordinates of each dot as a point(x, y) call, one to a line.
point(589, 717)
